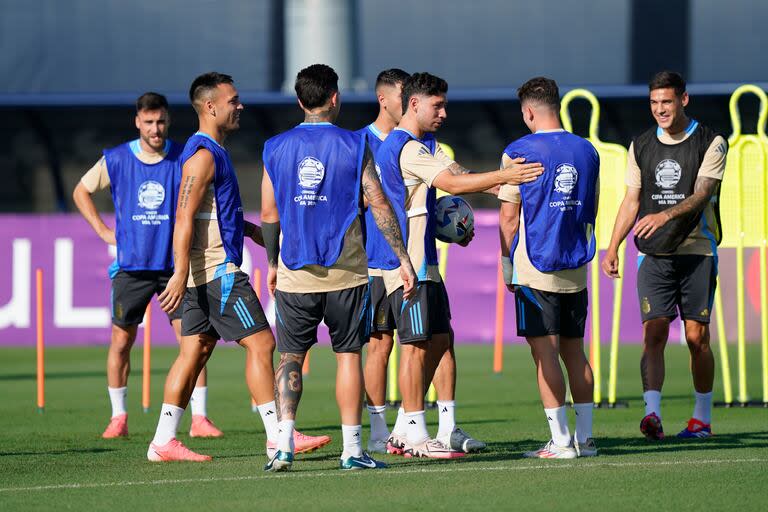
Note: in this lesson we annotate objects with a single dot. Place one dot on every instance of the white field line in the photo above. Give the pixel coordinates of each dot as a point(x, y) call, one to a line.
point(345, 474)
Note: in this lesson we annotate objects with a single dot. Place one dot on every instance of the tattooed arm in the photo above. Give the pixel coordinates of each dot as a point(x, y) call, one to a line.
point(386, 221)
point(197, 175)
point(288, 384)
point(702, 192)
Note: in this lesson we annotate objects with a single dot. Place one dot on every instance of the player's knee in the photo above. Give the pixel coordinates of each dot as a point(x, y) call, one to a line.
point(697, 342)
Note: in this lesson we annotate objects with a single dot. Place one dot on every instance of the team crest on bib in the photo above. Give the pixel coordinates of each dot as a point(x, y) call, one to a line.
point(151, 195)
point(311, 172)
point(668, 173)
point(566, 177)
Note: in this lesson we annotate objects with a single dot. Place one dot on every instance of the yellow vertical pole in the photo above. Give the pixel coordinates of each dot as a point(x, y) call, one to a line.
point(613, 369)
point(723, 345)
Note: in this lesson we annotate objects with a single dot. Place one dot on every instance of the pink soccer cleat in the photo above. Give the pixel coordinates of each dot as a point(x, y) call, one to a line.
point(302, 443)
point(174, 450)
point(203, 427)
point(118, 427)
point(306, 444)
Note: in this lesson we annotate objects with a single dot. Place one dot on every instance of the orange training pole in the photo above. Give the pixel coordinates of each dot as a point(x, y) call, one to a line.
point(145, 381)
point(498, 342)
point(40, 341)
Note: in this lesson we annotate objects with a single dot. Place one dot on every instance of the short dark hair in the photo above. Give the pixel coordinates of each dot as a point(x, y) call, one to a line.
point(151, 101)
point(315, 85)
point(206, 82)
point(422, 84)
point(391, 77)
point(540, 90)
point(667, 80)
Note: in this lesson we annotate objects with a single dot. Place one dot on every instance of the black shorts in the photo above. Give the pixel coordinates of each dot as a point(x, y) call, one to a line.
point(686, 282)
point(225, 308)
point(346, 313)
point(131, 293)
point(541, 313)
point(383, 319)
point(425, 315)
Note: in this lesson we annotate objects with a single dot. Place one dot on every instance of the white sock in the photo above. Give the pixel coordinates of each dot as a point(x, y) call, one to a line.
point(198, 401)
point(352, 435)
point(702, 411)
point(168, 424)
point(117, 399)
point(401, 425)
point(558, 425)
point(446, 418)
point(416, 427)
point(583, 421)
point(285, 435)
point(268, 413)
point(652, 402)
point(378, 417)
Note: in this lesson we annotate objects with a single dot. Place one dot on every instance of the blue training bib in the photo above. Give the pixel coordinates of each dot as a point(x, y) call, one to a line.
point(145, 206)
point(559, 207)
point(315, 171)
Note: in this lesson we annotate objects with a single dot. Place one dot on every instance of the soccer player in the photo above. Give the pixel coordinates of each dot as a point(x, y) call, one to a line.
point(389, 86)
point(144, 177)
point(674, 171)
point(311, 188)
point(547, 239)
point(216, 298)
point(412, 167)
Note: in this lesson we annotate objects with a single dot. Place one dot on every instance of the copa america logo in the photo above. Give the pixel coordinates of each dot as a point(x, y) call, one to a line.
point(311, 172)
point(566, 177)
point(151, 195)
point(668, 173)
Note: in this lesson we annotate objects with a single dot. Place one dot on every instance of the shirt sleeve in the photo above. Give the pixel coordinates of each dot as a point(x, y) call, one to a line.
point(97, 177)
point(442, 156)
point(632, 178)
point(509, 193)
point(713, 165)
point(418, 162)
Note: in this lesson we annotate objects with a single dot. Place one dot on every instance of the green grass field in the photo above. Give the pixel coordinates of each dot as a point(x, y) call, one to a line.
point(57, 460)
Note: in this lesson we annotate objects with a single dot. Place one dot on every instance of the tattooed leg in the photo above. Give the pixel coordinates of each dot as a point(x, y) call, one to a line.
point(288, 383)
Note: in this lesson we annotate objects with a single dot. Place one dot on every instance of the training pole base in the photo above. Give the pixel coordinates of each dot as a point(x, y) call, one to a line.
point(394, 403)
point(430, 405)
point(40, 410)
point(145, 409)
point(741, 405)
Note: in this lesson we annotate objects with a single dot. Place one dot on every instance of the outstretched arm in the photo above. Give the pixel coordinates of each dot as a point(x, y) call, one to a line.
point(196, 176)
point(386, 221)
point(456, 179)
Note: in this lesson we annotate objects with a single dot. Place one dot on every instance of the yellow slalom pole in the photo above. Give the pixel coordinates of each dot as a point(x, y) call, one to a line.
point(595, 344)
point(613, 370)
point(723, 345)
point(393, 393)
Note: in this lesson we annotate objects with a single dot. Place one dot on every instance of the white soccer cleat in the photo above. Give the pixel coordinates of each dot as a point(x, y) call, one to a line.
point(552, 451)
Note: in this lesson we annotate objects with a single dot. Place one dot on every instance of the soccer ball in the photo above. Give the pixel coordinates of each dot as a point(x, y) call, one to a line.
point(453, 218)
